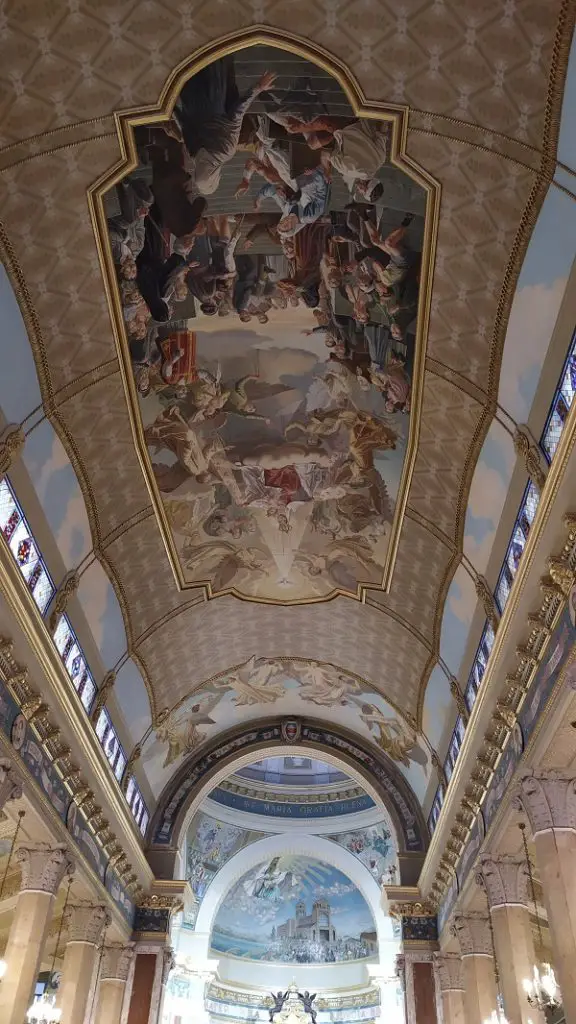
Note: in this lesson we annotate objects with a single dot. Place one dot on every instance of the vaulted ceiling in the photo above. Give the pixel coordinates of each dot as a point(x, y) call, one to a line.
point(482, 94)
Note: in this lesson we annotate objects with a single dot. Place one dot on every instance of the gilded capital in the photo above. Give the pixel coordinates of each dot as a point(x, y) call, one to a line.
point(168, 963)
point(548, 798)
point(44, 867)
point(527, 450)
point(449, 970)
point(66, 590)
point(10, 783)
point(488, 601)
point(473, 934)
point(12, 441)
point(103, 694)
point(116, 960)
point(506, 880)
point(87, 923)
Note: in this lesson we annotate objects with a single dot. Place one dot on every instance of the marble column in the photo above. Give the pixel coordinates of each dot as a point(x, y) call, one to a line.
point(449, 973)
point(416, 971)
point(473, 934)
point(43, 869)
point(506, 882)
point(116, 960)
point(548, 799)
point(87, 922)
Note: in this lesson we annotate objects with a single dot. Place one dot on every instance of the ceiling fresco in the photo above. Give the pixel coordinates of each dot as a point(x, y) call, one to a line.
point(268, 258)
point(266, 686)
point(481, 119)
point(293, 909)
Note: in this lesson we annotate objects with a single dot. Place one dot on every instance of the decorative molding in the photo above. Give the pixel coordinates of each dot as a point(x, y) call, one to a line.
point(529, 654)
point(473, 934)
point(531, 453)
point(449, 972)
point(38, 714)
point(506, 880)
point(44, 867)
point(116, 962)
point(104, 692)
point(421, 909)
point(87, 922)
point(10, 783)
point(174, 904)
point(66, 590)
point(488, 601)
point(12, 441)
point(548, 798)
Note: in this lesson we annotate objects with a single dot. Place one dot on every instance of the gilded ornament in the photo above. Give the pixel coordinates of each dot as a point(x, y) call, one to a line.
point(65, 591)
point(529, 452)
point(562, 574)
point(486, 598)
point(102, 695)
point(12, 442)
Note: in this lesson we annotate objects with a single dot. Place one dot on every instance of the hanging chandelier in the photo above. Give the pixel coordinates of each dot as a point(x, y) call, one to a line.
point(3, 964)
point(44, 1009)
point(542, 991)
point(497, 1016)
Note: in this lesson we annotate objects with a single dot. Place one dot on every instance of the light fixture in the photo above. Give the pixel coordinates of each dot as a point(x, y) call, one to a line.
point(44, 1009)
point(497, 1016)
point(3, 964)
point(541, 989)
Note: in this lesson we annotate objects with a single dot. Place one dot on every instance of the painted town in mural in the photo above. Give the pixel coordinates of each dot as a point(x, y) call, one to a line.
point(293, 909)
point(268, 257)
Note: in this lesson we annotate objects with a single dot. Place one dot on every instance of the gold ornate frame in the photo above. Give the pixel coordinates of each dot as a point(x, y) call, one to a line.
point(397, 116)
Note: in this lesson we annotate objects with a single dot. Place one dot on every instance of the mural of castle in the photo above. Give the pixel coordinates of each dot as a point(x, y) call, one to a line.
point(264, 916)
point(316, 926)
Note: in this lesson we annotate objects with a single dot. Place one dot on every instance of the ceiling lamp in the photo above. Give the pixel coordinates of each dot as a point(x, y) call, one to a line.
point(43, 1009)
point(3, 964)
point(541, 989)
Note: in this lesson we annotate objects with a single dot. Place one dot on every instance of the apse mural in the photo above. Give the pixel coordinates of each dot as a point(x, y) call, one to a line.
point(375, 848)
point(268, 256)
point(209, 844)
point(293, 909)
point(262, 685)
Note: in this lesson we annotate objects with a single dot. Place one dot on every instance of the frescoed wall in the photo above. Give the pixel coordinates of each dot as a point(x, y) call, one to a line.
point(375, 847)
point(295, 910)
point(262, 685)
point(209, 844)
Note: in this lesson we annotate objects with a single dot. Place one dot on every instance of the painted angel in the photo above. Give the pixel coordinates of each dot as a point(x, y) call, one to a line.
point(221, 562)
point(394, 736)
point(325, 685)
point(252, 684)
point(181, 733)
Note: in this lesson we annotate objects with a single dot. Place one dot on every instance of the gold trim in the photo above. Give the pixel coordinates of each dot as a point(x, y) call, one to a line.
point(469, 800)
point(397, 116)
point(21, 604)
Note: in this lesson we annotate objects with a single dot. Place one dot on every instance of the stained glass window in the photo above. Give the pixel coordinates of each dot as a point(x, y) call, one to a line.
point(137, 805)
point(561, 405)
point(436, 808)
point(524, 520)
point(110, 743)
point(454, 748)
point(18, 536)
point(74, 661)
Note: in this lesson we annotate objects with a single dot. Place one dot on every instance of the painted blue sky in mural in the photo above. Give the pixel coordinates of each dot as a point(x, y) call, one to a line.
point(269, 915)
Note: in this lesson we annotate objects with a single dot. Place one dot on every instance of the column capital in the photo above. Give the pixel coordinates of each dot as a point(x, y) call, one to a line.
point(473, 934)
point(87, 922)
point(10, 782)
point(44, 867)
point(548, 798)
point(505, 880)
point(116, 960)
point(168, 963)
point(449, 970)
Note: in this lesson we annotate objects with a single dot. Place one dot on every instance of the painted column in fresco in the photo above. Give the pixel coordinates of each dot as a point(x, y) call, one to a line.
point(473, 934)
point(549, 800)
point(43, 869)
point(506, 883)
point(87, 923)
point(449, 974)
